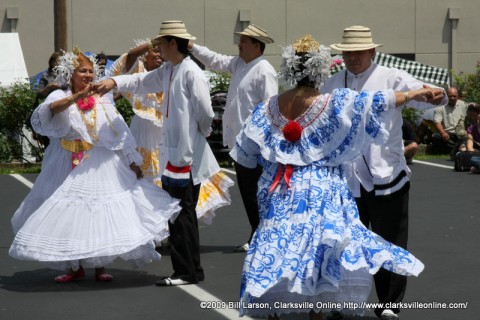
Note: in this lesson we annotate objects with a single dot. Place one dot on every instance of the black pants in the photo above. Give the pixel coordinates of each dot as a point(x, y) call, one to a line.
point(247, 179)
point(451, 146)
point(388, 217)
point(184, 235)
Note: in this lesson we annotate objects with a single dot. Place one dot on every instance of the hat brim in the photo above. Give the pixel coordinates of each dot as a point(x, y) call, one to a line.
point(181, 36)
point(265, 40)
point(354, 47)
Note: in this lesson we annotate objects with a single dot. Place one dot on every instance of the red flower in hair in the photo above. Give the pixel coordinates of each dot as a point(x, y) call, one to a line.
point(292, 131)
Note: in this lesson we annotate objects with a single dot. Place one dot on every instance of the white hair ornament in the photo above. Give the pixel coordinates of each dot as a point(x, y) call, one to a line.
point(306, 58)
point(68, 62)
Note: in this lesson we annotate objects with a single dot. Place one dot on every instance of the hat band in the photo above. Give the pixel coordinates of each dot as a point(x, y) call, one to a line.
point(357, 40)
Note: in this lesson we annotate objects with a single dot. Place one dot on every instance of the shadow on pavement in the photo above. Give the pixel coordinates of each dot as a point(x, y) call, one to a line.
point(41, 280)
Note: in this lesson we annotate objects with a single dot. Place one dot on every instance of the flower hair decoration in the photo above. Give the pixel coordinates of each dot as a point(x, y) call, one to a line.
point(139, 42)
point(69, 61)
point(306, 58)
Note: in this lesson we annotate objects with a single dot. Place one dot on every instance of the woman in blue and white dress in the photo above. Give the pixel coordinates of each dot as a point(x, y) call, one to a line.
point(310, 247)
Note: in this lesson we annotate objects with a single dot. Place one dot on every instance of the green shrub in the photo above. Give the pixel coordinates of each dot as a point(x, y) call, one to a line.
point(16, 106)
point(125, 109)
point(468, 84)
point(5, 149)
point(412, 114)
point(219, 81)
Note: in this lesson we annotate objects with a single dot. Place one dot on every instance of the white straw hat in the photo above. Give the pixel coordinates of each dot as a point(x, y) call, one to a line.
point(356, 38)
point(174, 28)
point(257, 33)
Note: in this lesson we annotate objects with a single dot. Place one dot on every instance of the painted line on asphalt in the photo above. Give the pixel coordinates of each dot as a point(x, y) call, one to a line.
point(203, 296)
point(229, 171)
point(433, 164)
point(23, 180)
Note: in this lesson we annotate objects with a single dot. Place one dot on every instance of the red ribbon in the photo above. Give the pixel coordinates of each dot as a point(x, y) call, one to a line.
point(172, 168)
point(287, 175)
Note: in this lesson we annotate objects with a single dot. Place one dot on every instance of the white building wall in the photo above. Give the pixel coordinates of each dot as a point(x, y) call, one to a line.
point(421, 27)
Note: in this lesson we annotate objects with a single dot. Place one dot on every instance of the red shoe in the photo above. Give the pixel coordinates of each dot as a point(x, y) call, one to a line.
point(71, 276)
point(103, 277)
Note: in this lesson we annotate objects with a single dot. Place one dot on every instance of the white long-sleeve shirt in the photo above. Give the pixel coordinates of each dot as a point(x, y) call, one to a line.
point(187, 111)
point(381, 167)
point(250, 84)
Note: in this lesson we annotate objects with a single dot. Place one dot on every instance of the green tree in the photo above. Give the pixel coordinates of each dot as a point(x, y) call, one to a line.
point(469, 84)
point(16, 106)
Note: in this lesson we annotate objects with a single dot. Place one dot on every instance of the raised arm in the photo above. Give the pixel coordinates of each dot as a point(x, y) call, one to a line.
point(212, 60)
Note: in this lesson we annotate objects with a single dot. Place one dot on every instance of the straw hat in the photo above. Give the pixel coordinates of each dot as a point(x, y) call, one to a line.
point(174, 28)
point(257, 33)
point(356, 38)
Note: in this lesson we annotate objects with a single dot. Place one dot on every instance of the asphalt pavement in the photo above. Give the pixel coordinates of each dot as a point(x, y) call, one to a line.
point(444, 234)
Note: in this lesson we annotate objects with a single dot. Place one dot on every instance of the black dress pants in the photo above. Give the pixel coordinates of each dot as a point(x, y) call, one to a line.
point(247, 179)
point(388, 217)
point(184, 235)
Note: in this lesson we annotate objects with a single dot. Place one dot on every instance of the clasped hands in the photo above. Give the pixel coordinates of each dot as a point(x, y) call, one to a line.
point(428, 94)
point(103, 86)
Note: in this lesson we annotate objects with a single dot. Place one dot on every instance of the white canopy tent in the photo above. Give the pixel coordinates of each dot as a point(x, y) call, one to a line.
point(12, 64)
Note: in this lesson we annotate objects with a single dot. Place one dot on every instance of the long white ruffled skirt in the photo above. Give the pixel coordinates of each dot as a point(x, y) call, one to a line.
point(99, 213)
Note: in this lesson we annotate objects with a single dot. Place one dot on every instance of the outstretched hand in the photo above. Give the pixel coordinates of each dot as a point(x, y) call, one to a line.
point(104, 86)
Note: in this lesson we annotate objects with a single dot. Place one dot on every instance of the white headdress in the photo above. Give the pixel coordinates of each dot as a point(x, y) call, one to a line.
point(306, 58)
point(68, 62)
point(139, 42)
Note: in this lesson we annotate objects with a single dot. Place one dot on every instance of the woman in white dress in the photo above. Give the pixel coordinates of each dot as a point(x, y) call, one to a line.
point(310, 247)
point(89, 205)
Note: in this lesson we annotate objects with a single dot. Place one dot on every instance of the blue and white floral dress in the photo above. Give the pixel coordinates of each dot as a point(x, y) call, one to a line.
point(310, 245)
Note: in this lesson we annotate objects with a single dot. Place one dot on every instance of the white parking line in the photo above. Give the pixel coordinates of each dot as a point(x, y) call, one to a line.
point(23, 180)
point(202, 296)
point(433, 164)
point(229, 171)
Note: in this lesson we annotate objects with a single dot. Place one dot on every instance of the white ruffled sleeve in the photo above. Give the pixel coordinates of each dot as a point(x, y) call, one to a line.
point(336, 129)
point(46, 123)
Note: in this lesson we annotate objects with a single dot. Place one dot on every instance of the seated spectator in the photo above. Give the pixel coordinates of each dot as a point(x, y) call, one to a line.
point(446, 119)
point(473, 136)
point(409, 141)
point(473, 110)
